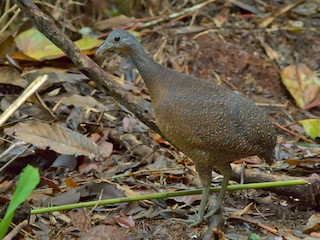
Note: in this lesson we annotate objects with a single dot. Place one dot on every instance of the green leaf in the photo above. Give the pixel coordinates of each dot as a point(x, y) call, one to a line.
point(28, 180)
point(35, 45)
point(311, 127)
point(253, 236)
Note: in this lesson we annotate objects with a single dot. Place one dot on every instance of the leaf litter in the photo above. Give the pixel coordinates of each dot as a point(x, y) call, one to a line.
point(134, 161)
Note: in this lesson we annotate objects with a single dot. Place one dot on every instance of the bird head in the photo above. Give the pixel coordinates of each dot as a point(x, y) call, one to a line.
point(120, 40)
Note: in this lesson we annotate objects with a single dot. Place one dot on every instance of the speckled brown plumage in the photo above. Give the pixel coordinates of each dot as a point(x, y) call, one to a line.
point(209, 123)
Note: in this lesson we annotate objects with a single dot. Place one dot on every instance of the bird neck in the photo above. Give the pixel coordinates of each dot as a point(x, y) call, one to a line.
point(152, 73)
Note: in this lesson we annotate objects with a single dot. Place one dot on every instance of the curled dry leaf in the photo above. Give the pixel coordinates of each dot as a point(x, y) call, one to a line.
point(302, 83)
point(125, 221)
point(60, 139)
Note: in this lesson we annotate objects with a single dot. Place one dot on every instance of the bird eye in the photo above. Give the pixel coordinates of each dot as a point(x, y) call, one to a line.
point(117, 39)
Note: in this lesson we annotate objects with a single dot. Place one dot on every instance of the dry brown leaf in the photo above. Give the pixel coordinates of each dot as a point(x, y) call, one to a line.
point(114, 22)
point(82, 101)
point(10, 75)
point(271, 53)
point(125, 221)
point(58, 138)
point(70, 183)
point(105, 232)
point(313, 224)
point(69, 197)
point(106, 149)
point(80, 221)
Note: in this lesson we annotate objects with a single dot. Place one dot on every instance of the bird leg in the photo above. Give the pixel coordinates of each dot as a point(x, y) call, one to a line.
point(226, 172)
point(202, 208)
point(204, 169)
point(204, 174)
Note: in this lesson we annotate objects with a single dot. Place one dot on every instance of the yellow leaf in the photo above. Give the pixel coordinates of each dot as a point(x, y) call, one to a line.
point(302, 83)
point(311, 127)
point(35, 45)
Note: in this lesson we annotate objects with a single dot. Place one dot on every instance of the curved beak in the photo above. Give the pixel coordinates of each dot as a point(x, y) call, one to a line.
point(102, 49)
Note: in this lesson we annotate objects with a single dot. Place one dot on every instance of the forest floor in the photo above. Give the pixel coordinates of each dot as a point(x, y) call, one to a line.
point(267, 51)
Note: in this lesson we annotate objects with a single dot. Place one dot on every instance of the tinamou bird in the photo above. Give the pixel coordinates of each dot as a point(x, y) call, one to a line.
point(209, 123)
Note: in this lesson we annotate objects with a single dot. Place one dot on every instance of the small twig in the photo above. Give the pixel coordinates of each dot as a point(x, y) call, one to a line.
point(255, 207)
point(16, 230)
point(6, 14)
point(99, 199)
point(293, 133)
point(270, 229)
point(245, 209)
point(138, 173)
point(267, 21)
point(31, 89)
point(177, 15)
point(14, 158)
point(44, 105)
point(291, 124)
point(281, 105)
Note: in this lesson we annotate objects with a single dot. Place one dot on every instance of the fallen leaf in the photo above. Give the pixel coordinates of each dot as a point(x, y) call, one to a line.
point(50, 183)
point(80, 221)
point(70, 183)
point(106, 149)
point(113, 22)
point(311, 127)
point(302, 83)
point(82, 101)
point(60, 139)
point(105, 232)
point(313, 224)
point(68, 197)
point(35, 45)
point(10, 75)
point(65, 161)
point(125, 221)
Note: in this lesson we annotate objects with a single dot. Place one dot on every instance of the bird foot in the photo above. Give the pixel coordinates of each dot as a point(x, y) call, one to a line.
point(190, 222)
point(213, 211)
point(195, 223)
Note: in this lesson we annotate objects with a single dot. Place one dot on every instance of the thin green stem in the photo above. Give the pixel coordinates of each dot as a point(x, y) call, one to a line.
point(167, 195)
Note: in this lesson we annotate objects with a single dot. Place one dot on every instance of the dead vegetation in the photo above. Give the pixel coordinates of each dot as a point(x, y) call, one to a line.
point(88, 146)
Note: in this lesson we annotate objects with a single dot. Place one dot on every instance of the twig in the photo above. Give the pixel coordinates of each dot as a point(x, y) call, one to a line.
point(16, 230)
point(184, 12)
point(270, 229)
point(31, 89)
point(280, 105)
point(15, 157)
point(294, 133)
point(6, 14)
point(138, 173)
point(287, 8)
